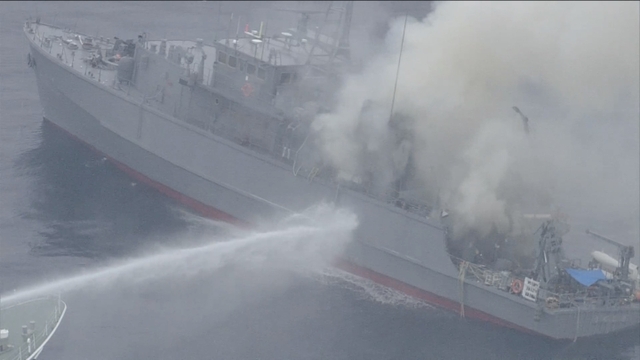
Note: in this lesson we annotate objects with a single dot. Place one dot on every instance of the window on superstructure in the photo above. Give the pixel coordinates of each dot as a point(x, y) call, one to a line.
point(285, 78)
point(232, 61)
point(262, 74)
point(251, 69)
point(222, 57)
point(294, 78)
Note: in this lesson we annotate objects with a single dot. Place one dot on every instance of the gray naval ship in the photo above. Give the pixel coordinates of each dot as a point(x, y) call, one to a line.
point(26, 327)
point(223, 127)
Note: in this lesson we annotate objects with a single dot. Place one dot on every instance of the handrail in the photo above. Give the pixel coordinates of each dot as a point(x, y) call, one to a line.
point(38, 338)
point(552, 300)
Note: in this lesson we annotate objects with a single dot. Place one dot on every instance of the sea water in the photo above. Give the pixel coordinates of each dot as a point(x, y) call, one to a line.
point(301, 242)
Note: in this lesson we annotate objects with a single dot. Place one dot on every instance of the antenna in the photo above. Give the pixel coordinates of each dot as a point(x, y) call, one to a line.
point(237, 32)
point(395, 87)
point(226, 35)
point(215, 34)
point(37, 13)
point(266, 26)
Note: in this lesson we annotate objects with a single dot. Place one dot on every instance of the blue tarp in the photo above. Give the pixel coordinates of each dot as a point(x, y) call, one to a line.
point(586, 277)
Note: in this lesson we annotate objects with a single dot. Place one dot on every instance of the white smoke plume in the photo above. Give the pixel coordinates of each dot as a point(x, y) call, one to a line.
point(571, 67)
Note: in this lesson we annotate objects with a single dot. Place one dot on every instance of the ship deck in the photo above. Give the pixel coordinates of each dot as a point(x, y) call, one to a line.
point(41, 318)
point(65, 45)
point(60, 43)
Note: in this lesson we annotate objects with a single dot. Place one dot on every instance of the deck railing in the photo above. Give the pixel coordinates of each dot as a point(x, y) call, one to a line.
point(29, 344)
point(503, 280)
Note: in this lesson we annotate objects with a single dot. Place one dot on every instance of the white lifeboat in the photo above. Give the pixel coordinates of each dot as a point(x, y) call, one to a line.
point(609, 264)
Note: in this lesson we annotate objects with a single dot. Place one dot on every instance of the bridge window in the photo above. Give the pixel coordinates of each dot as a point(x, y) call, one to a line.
point(285, 78)
point(222, 57)
point(262, 74)
point(251, 69)
point(232, 61)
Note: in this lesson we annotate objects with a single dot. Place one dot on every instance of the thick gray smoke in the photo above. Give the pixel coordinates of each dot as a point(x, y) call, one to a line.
point(572, 68)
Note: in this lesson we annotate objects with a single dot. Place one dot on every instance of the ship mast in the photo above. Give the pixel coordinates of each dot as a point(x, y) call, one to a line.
point(338, 44)
point(395, 87)
point(343, 48)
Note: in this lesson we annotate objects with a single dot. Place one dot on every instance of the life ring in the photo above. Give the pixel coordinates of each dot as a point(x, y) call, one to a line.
point(247, 89)
point(552, 302)
point(516, 286)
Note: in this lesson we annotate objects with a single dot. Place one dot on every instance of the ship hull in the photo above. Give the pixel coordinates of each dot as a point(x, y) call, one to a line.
point(224, 181)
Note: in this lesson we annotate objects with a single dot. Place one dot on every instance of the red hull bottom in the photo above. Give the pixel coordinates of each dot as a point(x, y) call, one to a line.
point(426, 296)
point(213, 213)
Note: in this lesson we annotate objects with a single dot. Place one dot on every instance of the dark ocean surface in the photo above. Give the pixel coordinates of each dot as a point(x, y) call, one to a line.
point(64, 211)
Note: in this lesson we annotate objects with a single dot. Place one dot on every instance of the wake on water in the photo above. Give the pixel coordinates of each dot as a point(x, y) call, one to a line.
point(368, 289)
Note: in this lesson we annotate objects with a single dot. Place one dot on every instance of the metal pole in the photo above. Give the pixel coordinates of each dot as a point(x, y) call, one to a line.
point(237, 33)
point(395, 87)
point(135, 65)
point(266, 26)
point(215, 34)
point(577, 326)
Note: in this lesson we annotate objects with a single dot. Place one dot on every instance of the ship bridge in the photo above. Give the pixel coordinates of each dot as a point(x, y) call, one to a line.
point(186, 53)
point(275, 74)
point(270, 69)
